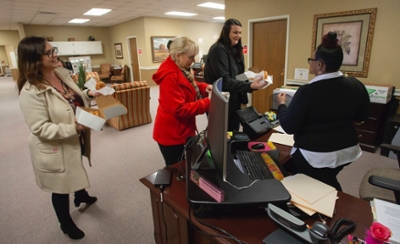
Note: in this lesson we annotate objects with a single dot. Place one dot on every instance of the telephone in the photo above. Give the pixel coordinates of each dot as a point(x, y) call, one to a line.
point(319, 233)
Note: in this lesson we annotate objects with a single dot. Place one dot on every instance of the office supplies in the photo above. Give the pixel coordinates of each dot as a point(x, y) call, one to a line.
point(273, 168)
point(388, 214)
point(163, 177)
point(288, 222)
point(253, 165)
point(207, 186)
point(254, 124)
point(283, 139)
point(258, 146)
point(239, 188)
point(311, 195)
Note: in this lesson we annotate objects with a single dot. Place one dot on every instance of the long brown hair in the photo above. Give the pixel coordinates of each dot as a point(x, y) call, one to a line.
point(30, 51)
point(226, 41)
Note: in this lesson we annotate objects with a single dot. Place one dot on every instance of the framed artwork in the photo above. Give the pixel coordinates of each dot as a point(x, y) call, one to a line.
point(118, 50)
point(355, 31)
point(159, 50)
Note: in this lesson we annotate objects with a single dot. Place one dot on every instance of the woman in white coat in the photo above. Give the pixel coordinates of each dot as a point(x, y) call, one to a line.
point(48, 100)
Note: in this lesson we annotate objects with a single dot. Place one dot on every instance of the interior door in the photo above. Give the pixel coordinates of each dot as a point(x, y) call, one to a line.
point(268, 53)
point(135, 72)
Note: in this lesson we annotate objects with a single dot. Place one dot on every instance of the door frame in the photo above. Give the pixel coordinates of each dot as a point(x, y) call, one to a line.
point(128, 44)
point(250, 48)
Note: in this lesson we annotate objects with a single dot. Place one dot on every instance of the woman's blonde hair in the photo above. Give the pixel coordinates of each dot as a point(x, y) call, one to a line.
point(184, 45)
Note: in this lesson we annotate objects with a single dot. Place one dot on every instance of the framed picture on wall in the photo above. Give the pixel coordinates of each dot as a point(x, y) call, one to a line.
point(118, 50)
point(159, 50)
point(355, 30)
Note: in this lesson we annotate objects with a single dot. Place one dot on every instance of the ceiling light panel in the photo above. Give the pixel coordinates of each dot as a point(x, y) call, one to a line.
point(78, 21)
point(212, 5)
point(180, 13)
point(97, 11)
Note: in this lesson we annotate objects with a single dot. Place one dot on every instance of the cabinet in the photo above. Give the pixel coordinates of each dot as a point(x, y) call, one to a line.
point(78, 48)
point(370, 132)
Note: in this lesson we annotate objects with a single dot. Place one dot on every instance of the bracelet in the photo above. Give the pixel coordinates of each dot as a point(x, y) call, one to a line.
point(87, 93)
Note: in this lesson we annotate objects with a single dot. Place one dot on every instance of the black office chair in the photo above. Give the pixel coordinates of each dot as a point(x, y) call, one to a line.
point(382, 183)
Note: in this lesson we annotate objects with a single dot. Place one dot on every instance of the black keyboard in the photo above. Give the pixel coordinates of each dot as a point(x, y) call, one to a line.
point(253, 165)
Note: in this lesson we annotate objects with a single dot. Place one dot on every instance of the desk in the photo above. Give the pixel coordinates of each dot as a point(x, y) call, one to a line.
point(250, 228)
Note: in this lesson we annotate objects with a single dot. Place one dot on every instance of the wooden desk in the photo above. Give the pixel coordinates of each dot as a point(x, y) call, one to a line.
point(173, 212)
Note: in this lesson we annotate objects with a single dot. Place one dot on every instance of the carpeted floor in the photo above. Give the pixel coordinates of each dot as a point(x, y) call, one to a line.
point(120, 158)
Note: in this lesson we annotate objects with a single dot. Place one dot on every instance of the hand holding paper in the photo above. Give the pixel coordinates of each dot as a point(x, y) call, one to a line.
point(91, 84)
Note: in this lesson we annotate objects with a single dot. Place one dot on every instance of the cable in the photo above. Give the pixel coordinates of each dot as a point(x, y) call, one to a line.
point(242, 187)
point(226, 236)
point(162, 213)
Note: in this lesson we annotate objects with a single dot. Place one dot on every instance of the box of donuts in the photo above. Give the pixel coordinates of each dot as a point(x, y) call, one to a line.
point(107, 107)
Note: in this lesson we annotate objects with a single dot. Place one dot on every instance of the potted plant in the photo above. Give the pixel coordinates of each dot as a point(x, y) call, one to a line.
point(81, 76)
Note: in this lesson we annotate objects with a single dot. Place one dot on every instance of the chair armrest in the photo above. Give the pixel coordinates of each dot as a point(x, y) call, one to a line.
point(390, 184)
point(390, 147)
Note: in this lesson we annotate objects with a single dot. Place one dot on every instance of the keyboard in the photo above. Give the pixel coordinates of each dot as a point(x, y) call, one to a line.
point(253, 165)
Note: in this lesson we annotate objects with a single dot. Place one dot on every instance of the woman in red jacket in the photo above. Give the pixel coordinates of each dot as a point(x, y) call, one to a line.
point(181, 99)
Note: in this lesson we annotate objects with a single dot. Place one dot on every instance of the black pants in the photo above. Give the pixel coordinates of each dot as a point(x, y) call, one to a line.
point(326, 175)
point(233, 121)
point(172, 154)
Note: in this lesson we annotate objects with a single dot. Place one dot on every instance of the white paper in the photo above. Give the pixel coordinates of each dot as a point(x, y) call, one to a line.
point(279, 129)
point(283, 139)
point(91, 84)
point(388, 214)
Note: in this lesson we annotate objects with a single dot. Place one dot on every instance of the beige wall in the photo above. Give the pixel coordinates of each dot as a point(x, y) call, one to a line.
point(8, 43)
point(385, 53)
point(203, 33)
point(62, 33)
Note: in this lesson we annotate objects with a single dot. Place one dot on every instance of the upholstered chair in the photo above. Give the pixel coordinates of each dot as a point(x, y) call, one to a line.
point(135, 96)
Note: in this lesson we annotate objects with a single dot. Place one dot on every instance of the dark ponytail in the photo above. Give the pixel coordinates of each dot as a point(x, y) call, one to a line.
point(330, 52)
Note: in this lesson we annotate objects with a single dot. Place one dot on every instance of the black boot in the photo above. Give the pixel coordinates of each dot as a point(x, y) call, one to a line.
point(67, 225)
point(83, 196)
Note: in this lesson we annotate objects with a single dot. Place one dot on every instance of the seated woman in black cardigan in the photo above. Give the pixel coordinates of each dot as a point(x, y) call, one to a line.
point(321, 116)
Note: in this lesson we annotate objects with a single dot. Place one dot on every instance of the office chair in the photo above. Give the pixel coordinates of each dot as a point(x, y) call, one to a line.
point(382, 183)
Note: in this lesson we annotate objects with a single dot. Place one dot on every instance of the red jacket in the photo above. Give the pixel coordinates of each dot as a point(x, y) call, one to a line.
point(177, 109)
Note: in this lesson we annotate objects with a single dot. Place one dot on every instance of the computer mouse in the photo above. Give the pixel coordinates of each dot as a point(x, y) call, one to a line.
point(258, 146)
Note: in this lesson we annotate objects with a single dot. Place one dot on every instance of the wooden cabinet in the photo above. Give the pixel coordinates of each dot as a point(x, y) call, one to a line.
point(78, 48)
point(370, 132)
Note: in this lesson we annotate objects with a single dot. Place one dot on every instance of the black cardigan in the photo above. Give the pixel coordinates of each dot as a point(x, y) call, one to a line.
point(220, 63)
point(321, 114)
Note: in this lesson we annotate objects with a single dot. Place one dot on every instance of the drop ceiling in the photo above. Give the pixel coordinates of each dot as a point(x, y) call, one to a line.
point(59, 12)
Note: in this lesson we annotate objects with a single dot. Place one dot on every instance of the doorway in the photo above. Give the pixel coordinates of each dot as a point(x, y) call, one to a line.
point(134, 59)
point(268, 51)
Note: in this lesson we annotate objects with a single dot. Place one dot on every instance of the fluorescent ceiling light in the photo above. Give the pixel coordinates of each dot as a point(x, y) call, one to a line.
point(97, 11)
point(180, 13)
point(212, 5)
point(219, 18)
point(79, 21)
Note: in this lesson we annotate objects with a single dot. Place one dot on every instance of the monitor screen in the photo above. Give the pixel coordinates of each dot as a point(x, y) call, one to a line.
point(217, 128)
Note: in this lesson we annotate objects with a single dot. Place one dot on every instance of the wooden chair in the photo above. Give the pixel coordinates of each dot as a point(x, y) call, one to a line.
point(122, 77)
point(105, 72)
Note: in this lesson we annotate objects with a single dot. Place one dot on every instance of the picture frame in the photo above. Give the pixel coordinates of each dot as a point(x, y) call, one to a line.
point(355, 33)
point(159, 50)
point(118, 50)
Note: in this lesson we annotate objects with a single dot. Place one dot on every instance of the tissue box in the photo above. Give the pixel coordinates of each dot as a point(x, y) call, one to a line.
point(108, 107)
point(379, 93)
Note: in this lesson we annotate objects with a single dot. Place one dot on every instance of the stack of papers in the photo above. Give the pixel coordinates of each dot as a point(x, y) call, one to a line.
point(388, 214)
point(283, 139)
point(311, 195)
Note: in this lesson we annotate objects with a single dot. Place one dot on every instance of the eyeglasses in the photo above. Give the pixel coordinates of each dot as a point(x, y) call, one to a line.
point(311, 59)
point(51, 53)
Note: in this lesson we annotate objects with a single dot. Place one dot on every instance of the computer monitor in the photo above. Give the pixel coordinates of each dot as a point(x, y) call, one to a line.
point(217, 128)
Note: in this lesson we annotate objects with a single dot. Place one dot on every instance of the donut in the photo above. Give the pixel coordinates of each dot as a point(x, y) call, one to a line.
point(100, 85)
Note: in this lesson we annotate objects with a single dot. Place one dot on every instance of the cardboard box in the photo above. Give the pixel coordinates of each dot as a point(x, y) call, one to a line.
point(290, 91)
point(108, 107)
point(379, 93)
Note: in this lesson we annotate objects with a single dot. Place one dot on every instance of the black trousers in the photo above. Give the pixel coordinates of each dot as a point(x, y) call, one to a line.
point(233, 121)
point(172, 154)
point(299, 164)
